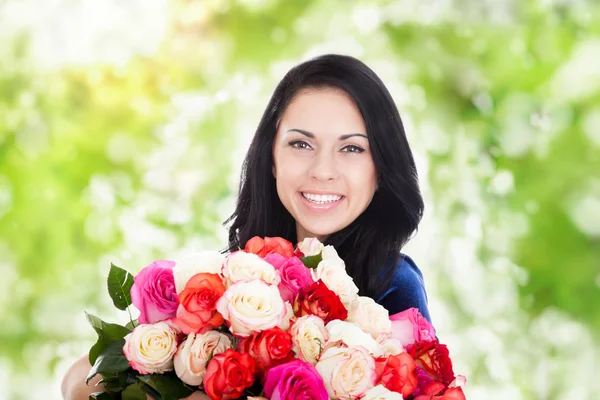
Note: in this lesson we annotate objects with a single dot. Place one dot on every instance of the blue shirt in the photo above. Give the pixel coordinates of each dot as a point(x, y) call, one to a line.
point(406, 289)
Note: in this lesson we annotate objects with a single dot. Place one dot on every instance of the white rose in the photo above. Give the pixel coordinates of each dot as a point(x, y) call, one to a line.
point(352, 336)
point(242, 266)
point(330, 253)
point(289, 316)
point(193, 354)
point(310, 247)
point(309, 337)
point(391, 347)
point(347, 373)
point(370, 317)
point(380, 392)
point(333, 274)
point(251, 306)
point(195, 263)
point(150, 348)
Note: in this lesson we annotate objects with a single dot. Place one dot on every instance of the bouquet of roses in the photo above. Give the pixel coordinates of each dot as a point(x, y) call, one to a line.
point(266, 322)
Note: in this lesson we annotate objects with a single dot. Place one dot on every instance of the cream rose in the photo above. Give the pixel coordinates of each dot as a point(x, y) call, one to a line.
point(242, 266)
point(332, 272)
point(391, 347)
point(380, 392)
point(150, 348)
point(370, 317)
point(330, 253)
point(347, 373)
point(191, 264)
point(311, 247)
point(250, 306)
point(350, 335)
point(309, 337)
point(193, 354)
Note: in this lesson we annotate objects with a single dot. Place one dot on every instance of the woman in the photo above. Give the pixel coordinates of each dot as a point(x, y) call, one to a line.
point(330, 160)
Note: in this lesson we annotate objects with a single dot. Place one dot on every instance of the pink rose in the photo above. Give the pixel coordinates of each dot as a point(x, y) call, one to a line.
point(295, 380)
point(294, 275)
point(153, 292)
point(409, 326)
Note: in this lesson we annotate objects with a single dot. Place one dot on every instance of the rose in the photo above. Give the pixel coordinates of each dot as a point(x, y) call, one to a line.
point(310, 247)
point(347, 373)
point(397, 373)
point(197, 309)
point(434, 358)
point(390, 347)
point(150, 348)
point(379, 392)
point(409, 326)
point(350, 335)
point(370, 317)
point(269, 348)
point(309, 337)
point(332, 272)
point(228, 374)
point(294, 275)
point(269, 245)
point(319, 300)
point(251, 306)
point(295, 380)
point(193, 354)
point(242, 266)
point(434, 392)
point(195, 263)
point(153, 292)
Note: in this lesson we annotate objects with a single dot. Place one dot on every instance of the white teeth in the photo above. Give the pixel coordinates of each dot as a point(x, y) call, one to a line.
point(321, 199)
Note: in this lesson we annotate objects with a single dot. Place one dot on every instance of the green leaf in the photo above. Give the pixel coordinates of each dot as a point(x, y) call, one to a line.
point(312, 261)
point(168, 385)
point(117, 382)
point(107, 333)
point(134, 392)
point(110, 361)
point(119, 287)
point(132, 324)
point(100, 396)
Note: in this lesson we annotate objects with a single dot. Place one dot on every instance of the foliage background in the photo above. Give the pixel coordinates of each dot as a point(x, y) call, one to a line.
point(123, 126)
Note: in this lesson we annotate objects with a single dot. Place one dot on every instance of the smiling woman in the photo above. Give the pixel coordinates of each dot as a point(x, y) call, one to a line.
point(330, 160)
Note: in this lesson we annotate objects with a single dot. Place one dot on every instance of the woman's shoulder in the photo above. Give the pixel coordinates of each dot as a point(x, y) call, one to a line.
point(406, 288)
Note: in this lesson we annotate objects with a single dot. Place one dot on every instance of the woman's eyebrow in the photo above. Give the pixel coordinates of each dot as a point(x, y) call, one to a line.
point(312, 135)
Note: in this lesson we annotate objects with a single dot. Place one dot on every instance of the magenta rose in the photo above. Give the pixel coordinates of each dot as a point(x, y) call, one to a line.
point(153, 292)
point(409, 326)
point(294, 275)
point(295, 380)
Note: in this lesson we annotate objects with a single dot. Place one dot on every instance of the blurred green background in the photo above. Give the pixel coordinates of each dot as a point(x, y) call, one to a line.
point(123, 126)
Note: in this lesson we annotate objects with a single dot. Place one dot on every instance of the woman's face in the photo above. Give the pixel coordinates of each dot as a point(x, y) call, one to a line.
point(322, 162)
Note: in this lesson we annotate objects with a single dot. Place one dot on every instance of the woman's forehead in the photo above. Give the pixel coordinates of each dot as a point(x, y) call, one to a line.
point(323, 112)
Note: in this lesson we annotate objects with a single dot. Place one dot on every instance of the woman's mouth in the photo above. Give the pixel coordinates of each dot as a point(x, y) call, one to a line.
point(322, 199)
point(321, 202)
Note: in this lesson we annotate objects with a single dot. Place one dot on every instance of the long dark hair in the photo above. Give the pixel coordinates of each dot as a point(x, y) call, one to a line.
point(370, 246)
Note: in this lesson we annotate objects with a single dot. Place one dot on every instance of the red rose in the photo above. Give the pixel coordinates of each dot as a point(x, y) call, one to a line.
point(228, 374)
point(317, 299)
point(397, 373)
point(197, 304)
point(433, 357)
point(268, 245)
point(455, 393)
point(269, 348)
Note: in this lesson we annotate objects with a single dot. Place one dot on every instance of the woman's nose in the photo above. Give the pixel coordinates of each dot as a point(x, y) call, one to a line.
point(324, 168)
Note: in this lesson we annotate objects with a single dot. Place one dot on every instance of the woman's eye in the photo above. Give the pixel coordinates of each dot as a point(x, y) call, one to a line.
point(299, 144)
point(353, 149)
